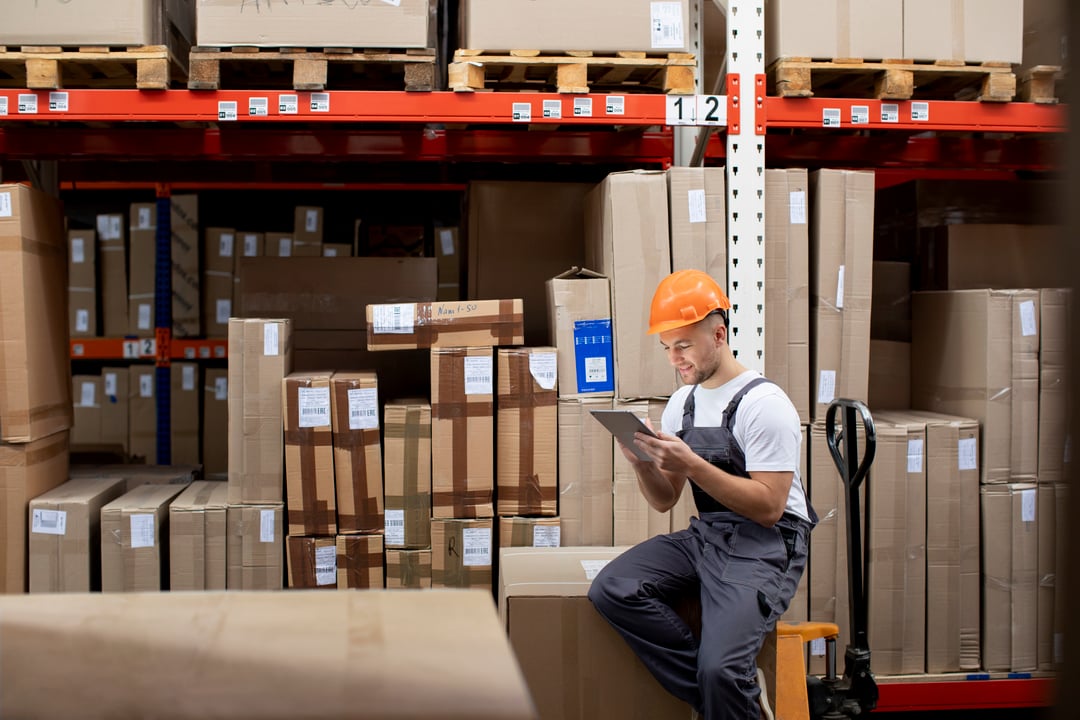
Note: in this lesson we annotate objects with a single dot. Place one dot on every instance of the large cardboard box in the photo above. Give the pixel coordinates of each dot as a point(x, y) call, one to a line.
point(358, 478)
point(626, 236)
point(279, 245)
point(972, 31)
point(308, 231)
point(35, 357)
point(184, 412)
point(969, 256)
point(890, 303)
point(1045, 574)
point(186, 296)
point(260, 356)
point(586, 474)
point(197, 531)
point(1010, 558)
point(402, 24)
point(529, 532)
point(462, 432)
point(309, 454)
point(65, 535)
point(411, 326)
point(579, 325)
point(448, 252)
point(215, 425)
point(408, 568)
point(134, 540)
point(841, 259)
point(312, 562)
point(142, 412)
point(87, 428)
point(1054, 311)
point(115, 406)
point(360, 562)
point(600, 25)
point(698, 220)
point(544, 605)
point(890, 375)
point(635, 519)
point(787, 286)
point(827, 29)
point(527, 431)
point(84, 22)
point(114, 284)
point(461, 553)
point(255, 547)
point(82, 283)
point(142, 269)
point(407, 431)
point(1045, 33)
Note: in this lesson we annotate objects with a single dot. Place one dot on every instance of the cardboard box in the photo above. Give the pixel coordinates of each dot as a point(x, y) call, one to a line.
point(114, 287)
point(407, 24)
point(890, 303)
point(358, 478)
point(336, 250)
point(462, 432)
point(626, 237)
point(1054, 309)
point(308, 225)
point(579, 317)
point(115, 406)
point(586, 479)
point(964, 257)
point(890, 375)
point(409, 326)
point(635, 519)
point(828, 29)
point(972, 31)
point(1009, 582)
point(1045, 574)
point(408, 568)
point(255, 547)
point(1046, 39)
point(841, 256)
point(184, 411)
point(142, 413)
point(360, 562)
point(123, 22)
point(260, 356)
point(448, 254)
point(529, 532)
point(527, 431)
point(138, 475)
point(142, 269)
point(279, 245)
point(698, 220)
point(544, 605)
point(601, 26)
point(461, 553)
point(134, 537)
point(312, 562)
point(197, 531)
point(971, 346)
point(35, 355)
point(787, 286)
point(186, 288)
point(309, 454)
point(82, 283)
point(215, 425)
point(65, 535)
point(407, 443)
point(87, 399)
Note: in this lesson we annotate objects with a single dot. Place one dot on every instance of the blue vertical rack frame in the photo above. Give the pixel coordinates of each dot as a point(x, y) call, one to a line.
point(163, 325)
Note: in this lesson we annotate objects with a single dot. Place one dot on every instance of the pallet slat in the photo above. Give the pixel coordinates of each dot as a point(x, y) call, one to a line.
point(45, 67)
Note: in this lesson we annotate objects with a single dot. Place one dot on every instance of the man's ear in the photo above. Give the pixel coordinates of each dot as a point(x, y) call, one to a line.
point(721, 332)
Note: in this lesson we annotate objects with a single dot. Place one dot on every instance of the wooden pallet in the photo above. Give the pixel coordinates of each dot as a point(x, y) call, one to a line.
point(892, 79)
point(1043, 84)
point(335, 68)
point(575, 72)
point(53, 67)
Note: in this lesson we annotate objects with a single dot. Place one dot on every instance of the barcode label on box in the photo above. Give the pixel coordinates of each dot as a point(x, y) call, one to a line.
point(78, 250)
point(144, 316)
point(82, 321)
point(109, 227)
point(914, 455)
point(146, 386)
point(543, 367)
point(110, 385)
point(285, 247)
point(5, 204)
point(1027, 505)
point(394, 524)
point(329, 252)
point(226, 241)
point(797, 206)
point(592, 568)
point(546, 535)
point(311, 221)
point(270, 340)
point(258, 107)
point(142, 530)
point(251, 245)
point(666, 24)
point(477, 550)
point(1027, 318)
point(187, 378)
point(144, 218)
point(314, 405)
point(596, 370)
point(326, 565)
point(966, 449)
point(817, 647)
point(826, 387)
point(49, 522)
point(478, 375)
point(88, 395)
point(224, 311)
point(266, 526)
point(446, 240)
point(696, 202)
point(363, 409)
point(394, 319)
point(221, 388)
point(288, 104)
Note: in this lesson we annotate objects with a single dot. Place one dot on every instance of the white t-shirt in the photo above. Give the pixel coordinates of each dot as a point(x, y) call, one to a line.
point(766, 427)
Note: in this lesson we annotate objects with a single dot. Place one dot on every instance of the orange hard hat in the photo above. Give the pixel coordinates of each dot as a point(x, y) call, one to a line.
point(684, 298)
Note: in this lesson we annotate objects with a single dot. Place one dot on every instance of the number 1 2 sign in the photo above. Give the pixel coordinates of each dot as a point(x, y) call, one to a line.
point(696, 110)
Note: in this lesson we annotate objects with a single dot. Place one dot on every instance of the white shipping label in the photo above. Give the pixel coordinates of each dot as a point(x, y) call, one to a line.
point(398, 319)
point(88, 396)
point(826, 392)
point(840, 288)
point(592, 568)
point(1027, 505)
point(251, 245)
point(187, 377)
point(108, 226)
point(226, 242)
point(49, 522)
point(146, 386)
point(797, 205)
point(78, 250)
point(446, 240)
point(266, 526)
point(666, 24)
point(224, 311)
point(82, 321)
point(314, 404)
point(5, 204)
point(477, 550)
point(311, 221)
point(144, 316)
point(142, 530)
point(966, 449)
point(363, 409)
point(394, 523)
point(221, 388)
point(817, 647)
point(914, 455)
point(326, 565)
point(546, 535)
point(144, 218)
point(596, 370)
point(110, 384)
point(478, 375)
point(329, 252)
point(1027, 318)
point(696, 201)
point(285, 247)
point(271, 346)
point(543, 366)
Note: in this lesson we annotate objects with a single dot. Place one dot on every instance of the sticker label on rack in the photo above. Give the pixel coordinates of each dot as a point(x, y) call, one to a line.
point(49, 522)
point(890, 113)
point(477, 550)
point(711, 110)
point(394, 525)
point(840, 288)
point(146, 386)
point(696, 205)
point(966, 452)
point(666, 20)
point(226, 110)
point(830, 117)
point(546, 536)
point(88, 396)
point(314, 407)
point(288, 104)
point(679, 110)
point(3, 106)
point(266, 526)
point(920, 111)
point(142, 530)
point(270, 340)
point(1027, 318)
point(1027, 505)
point(478, 375)
point(187, 377)
point(582, 107)
point(221, 389)
point(144, 218)
point(5, 204)
point(326, 565)
point(258, 106)
point(553, 108)
point(227, 241)
point(860, 114)
point(615, 105)
point(914, 455)
point(58, 102)
point(82, 320)
point(144, 320)
point(542, 367)
point(110, 385)
point(251, 245)
point(797, 207)
point(320, 102)
point(592, 568)
point(521, 112)
point(394, 319)
point(826, 387)
point(28, 104)
point(363, 409)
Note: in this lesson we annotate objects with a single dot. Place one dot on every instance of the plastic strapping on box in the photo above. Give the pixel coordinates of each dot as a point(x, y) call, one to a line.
point(505, 328)
point(526, 496)
point(417, 500)
point(455, 406)
point(315, 516)
point(365, 514)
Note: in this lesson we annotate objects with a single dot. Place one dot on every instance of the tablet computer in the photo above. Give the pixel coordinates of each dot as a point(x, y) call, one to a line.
point(623, 424)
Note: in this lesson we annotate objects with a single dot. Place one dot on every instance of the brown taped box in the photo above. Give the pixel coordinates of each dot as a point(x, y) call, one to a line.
point(255, 547)
point(115, 406)
point(527, 431)
point(827, 29)
point(215, 424)
point(142, 413)
point(184, 413)
point(87, 428)
point(787, 286)
point(468, 323)
point(890, 303)
point(586, 481)
point(626, 239)
point(462, 432)
point(1010, 558)
point(1045, 575)
point(260, 356)
point(635, 519)
point(312, 562)
point(134, 540)
point(65, 535)
point(114, 284)
point(360, 562)
point(358, 478)
point(408, 568)
point(142, 268)
point(115, 23)
point(186, 297)
point(1054, 311)
point(544, 605)
point(461, 553)
point(197, 531)
point(890, 375)
point(448, 254)
point(529, 532)
point(965, 257)
point(309, 454)
point(970, 31)
point(698, 220)
point(407, 479)
point(579, 325)
point(82, 283)
point(279, 245)
point(35, 354)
